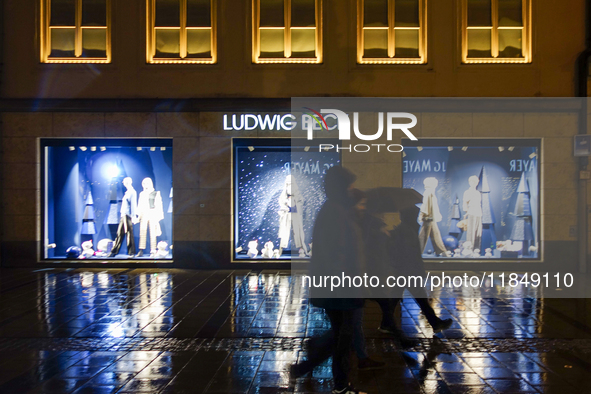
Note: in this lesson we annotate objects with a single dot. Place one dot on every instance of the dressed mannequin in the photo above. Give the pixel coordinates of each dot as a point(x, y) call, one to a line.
point(473, 209)
point(290, 217)
point(150, 213)
point(429, 217)
point(128, 219)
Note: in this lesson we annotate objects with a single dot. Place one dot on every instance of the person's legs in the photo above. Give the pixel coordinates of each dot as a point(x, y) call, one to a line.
point(343, 323)
point(387, 306)
point(119, 238)
point(424, 234)
point(153, 237)
point(319, 349)
point(130, 238)
point(359, 336)
point(143, 233)
point(436, 240)
point(421, 297)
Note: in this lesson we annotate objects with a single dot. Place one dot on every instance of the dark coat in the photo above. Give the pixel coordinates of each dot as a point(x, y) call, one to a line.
point(405, 250)
point(338, 249)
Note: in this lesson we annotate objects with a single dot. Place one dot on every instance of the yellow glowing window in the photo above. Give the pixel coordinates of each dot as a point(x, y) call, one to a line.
point(75, 31)
point(287, 31)
point(496, 31)
point(391, 31)
point(181, 31)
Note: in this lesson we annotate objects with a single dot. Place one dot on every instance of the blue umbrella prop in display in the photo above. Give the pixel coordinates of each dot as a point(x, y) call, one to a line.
point(88, 225)
point(489, 238)
point(456, 216)
point(522, 229)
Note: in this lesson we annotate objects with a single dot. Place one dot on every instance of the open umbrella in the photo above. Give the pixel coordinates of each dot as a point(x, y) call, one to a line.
point(391, 199)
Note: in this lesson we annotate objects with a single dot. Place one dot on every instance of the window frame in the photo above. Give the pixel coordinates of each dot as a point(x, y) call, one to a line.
point(526, 36)
point(45, 35)
point(151, 36)
point(256, 48)
point(422, 59)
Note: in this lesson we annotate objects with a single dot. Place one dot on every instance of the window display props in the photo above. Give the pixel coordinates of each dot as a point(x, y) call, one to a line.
point(290, 219)
point(497, 213)
point(473, 209)
point(429, 217)
point(488, 240)
point(150, 213)
point(128, 218)
point(277, 194)
point(522, 229)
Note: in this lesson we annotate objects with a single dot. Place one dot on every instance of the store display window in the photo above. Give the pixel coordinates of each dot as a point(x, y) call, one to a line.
point(107, 199)
point(481, 199)
point(278, 190)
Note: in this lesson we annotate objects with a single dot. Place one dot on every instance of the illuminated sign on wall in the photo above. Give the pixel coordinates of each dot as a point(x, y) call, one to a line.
point(327, 119)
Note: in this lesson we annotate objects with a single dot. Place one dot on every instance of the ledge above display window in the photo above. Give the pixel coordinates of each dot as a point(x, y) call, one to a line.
point(106, 199)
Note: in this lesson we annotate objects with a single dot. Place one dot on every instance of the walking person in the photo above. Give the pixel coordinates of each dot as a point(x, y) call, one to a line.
point(337, 248)
point(376, 242)
point(406, 252)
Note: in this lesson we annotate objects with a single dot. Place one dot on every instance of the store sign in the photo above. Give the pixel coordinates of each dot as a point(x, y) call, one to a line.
point(286, 122)
point(327, 119)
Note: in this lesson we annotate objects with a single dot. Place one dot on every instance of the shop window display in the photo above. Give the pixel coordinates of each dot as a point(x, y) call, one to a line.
point(480, 198)
point(105, 199)
point(277, 193)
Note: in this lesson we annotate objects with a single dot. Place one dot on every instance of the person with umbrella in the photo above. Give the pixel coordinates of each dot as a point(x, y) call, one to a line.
point(404, 252)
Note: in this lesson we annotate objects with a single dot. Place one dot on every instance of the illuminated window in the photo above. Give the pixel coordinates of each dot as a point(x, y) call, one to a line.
point(287, 31)
point(181, 31)
point(75, 31)
point(391, 31)
point(496, 31)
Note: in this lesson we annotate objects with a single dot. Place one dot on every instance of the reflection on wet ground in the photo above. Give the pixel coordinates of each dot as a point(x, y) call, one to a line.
point(180, 331)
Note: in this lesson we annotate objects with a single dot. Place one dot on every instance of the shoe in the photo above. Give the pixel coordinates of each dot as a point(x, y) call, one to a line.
point(112, 254)
point(367, 363)
point(399, 336)
point(140, 253)
point(407, 343)
point(389, 330)
point(441, 325)
point(295, 372)
point(348, 390)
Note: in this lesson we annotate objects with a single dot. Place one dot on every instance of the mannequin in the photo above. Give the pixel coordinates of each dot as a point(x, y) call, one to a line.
point(473, 209)
point(150, 213)
point(429, 217)
point(128, 219)
point(290, 217)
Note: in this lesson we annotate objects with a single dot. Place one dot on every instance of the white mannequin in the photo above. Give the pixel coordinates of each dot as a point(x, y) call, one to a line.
point(429, 217)
point(150, 213)
point(128, 219)
point(290, 215)
point(473, 209)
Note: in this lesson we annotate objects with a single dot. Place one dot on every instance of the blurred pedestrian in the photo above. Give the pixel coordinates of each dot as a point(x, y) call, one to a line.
point(376, 240)
point(408, 261)
point(369, 225)
point(338, 248)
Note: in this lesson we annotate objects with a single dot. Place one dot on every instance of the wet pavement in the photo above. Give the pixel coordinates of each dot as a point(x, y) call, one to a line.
point(181, 331)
